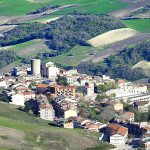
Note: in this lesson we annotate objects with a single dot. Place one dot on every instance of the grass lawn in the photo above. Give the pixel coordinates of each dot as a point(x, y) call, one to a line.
point(142, 25)
point(21, 7)
point(74, 56)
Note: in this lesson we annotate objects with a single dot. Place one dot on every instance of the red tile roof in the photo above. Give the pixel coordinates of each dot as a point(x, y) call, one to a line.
point(42, 85)
point(117, 129)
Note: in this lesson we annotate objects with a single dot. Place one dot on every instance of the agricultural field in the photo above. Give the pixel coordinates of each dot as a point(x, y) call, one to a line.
point(28, 49)
point(112, 36)
point(22, 7)
point(21, 133)
point(94, 7)
point(141, 25)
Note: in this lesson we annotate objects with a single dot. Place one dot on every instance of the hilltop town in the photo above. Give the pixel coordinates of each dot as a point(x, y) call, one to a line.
point(116, 109)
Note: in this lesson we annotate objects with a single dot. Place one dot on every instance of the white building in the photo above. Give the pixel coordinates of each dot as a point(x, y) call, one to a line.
point(52, 72)
point(36, 67)
point(90, 89)
point(127, 89)
point(17, 99)
point(3, 84)
point(117, 133)
point(29, 95)
point(47, 112)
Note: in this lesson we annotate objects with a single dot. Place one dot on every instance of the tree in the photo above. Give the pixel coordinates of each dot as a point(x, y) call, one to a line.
point(27, 107)
point(62, 80)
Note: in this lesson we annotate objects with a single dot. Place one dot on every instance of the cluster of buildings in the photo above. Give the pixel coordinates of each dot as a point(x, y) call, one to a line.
point(60, 103)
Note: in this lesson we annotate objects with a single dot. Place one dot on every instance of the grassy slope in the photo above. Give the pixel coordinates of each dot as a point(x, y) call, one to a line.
point(21, 7)
point(73, 139)
point(27, 49)
point(74, 56)
point(142, 25)
point(10, 111)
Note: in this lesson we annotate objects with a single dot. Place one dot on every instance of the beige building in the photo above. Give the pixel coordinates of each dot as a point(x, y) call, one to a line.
point(118, 107)
point(70, 113)
point(67, 91)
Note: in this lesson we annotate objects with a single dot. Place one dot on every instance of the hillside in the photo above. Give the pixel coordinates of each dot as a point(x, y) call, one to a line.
point(113, 36)
point(64, 33)
point(18, 131)
point(145, 66)
point(120, 64)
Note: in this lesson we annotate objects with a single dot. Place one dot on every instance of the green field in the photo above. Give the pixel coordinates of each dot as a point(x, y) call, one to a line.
point(74, 56)
point(28, 49)
point(95, 7)
point(19, 128)
point(142, 25)
point(21, 7)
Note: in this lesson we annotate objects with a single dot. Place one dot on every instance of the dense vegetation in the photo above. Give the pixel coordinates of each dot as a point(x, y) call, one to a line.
point(7, 57)
point(23, 33)
point(120, 65)
point(64, 33)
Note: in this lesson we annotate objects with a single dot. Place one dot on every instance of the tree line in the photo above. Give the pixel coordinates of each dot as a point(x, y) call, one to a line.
point(120, 65)
point(7, 57)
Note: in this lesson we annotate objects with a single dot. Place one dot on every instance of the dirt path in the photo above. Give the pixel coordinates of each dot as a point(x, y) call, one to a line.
point(115, 48)
point(134, 5)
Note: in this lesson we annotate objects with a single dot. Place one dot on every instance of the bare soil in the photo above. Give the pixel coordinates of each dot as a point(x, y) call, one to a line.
point(115, 48)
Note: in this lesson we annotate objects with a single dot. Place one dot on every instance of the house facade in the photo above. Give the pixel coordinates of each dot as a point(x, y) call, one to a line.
point(47, 112)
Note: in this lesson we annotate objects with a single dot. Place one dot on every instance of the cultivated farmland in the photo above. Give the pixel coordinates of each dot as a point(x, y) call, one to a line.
point(113, 36)
point(142, 25)
point(22, 7)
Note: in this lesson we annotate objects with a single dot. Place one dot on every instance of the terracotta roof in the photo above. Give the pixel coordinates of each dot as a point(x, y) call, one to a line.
point(121, 81)
point(141, 103)
point(22, 88)
point(28, 93)
point(42, 85)
point(66, 87)
point(117, 129)
point(44, 106)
